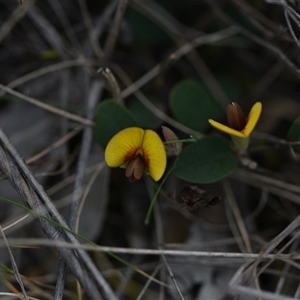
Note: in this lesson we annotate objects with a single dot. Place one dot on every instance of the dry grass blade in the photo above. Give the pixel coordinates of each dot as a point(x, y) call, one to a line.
point(238, 217)
point(16, 296)
point(15, 17)
point(64, 20)
point(85, 194)
point(141, 294)
point(239, 257)
point(95, 93)
point(35, 198)
point(52, 68)
point(157, 13)
point(156, 111)
point(57, 144)
point(180, 52)
point(14, 266)
point(114, 29)
point(77, 194)
point(172, 276)
point(48, 107)
point(277, 51)
point(48, 31)
point(242, 276)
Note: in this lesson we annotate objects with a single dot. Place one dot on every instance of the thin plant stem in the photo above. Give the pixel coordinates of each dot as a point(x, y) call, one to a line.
point(156, 195)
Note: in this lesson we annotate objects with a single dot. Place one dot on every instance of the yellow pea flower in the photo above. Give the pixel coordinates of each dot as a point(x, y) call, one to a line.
point(239, 128)
point(137, 150)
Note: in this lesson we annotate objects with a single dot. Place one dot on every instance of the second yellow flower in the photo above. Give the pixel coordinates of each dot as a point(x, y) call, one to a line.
point(139, 151)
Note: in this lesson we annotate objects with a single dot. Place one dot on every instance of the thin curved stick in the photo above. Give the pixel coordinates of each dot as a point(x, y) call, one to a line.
point(47, 107)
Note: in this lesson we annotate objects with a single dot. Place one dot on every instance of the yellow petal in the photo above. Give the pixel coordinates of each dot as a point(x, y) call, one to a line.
point(154, 154)
point(253, 118)
point(123, 146)
point(226, 129)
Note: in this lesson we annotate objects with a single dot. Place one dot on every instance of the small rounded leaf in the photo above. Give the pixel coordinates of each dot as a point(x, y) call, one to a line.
point(192, 105)
point(145, 118)
point(111, 118)
point(207, 160)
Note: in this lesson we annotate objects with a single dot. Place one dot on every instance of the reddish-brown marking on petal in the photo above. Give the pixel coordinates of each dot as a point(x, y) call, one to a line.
point(130, 155)
point(146, 159)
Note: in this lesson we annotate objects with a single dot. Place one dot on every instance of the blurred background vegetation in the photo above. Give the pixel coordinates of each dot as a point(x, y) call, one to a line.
point(233, 50)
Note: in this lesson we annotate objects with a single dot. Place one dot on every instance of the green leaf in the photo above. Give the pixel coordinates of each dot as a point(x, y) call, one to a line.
point(294, 134)
point(207, 160)
point(111, 118)
point(145, 118)
point(192, 105)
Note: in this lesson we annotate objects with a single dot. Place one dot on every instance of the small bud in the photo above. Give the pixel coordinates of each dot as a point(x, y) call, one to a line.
point(135, 168)
point(169, 136)
point(235, 116)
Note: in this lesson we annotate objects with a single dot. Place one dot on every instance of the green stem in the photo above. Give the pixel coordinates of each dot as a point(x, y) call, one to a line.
point(180, 141)
point(156, 195)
